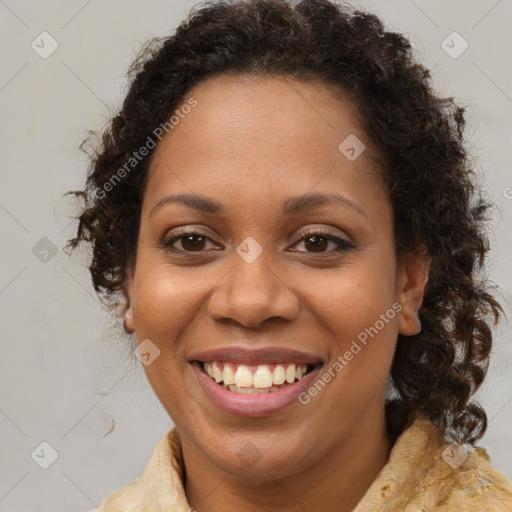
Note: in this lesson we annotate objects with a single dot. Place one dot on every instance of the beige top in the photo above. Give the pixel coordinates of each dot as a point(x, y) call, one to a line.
point(424, 473)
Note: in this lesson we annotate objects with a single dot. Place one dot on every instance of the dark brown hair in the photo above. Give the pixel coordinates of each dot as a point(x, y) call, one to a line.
point(419, 136)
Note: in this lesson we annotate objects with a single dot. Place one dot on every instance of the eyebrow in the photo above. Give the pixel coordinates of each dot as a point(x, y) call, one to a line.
point(291, 206)
point(194, 201)
point(295, 205)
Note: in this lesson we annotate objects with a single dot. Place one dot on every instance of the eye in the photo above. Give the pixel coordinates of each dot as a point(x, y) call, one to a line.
point(322, 242)
point(192, 241)
point(316, 241)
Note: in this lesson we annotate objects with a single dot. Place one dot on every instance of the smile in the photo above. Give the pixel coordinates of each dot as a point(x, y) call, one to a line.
point(255, 379)
point(255, 382)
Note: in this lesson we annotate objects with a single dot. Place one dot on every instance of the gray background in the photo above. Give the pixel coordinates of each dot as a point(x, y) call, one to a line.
point(66, 378)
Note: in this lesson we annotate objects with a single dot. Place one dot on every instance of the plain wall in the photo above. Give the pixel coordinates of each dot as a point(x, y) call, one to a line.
point(64, 377)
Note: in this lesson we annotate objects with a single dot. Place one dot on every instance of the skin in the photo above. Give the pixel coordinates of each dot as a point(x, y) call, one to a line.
point(250, 144)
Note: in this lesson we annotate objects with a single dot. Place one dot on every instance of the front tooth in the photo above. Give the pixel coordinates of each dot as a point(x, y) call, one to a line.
point(243, 377)
point(279, 375)
point(217, 374)
point(262, 377)
point(228, 375)
point(290, 373)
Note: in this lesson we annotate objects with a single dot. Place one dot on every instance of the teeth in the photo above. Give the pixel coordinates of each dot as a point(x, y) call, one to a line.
point(209, 369)
point(278, 375)
point(228, 375)
point(263, 380)
point(250, 391)
point(290, 373)
point(262, 377)
point(243, 377)
point(217, 374)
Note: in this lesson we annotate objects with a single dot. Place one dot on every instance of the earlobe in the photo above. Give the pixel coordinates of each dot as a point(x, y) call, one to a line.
point(128, 324)
point(412, 280)
point(128, 320)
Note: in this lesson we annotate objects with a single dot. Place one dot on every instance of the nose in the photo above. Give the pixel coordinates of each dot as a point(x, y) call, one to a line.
point(252, 293)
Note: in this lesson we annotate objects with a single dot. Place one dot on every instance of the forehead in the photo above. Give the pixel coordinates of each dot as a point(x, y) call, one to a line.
point(252, 131)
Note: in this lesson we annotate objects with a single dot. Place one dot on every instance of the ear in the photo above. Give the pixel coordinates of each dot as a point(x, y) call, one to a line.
point(413, 271)
point(128, 321)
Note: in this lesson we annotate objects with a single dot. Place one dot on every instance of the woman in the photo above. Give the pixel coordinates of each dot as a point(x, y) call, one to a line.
point(284, 212)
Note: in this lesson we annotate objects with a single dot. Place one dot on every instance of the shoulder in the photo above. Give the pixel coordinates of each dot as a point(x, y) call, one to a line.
point(474, 483)
point(426, 473)
point(456, 477)
point(159, 487)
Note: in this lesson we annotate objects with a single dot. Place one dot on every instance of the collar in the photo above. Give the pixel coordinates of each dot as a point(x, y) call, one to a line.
point(419, 475)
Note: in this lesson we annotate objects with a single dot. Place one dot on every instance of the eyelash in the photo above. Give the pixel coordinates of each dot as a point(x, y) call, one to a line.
point(342, 245)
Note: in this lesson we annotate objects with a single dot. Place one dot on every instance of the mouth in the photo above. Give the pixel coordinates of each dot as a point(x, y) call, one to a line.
point(255, 379)
point(254, 383)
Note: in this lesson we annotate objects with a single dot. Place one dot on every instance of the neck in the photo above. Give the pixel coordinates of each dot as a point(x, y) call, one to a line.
point(337, 482)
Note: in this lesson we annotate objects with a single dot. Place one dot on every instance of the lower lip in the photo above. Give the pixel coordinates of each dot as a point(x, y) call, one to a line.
point(253, 406)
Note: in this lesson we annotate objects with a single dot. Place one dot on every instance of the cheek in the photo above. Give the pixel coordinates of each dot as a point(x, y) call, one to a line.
point(360, 323)
point(356, 310)
point(350, 299)
point(164, 304)
point(165, 300)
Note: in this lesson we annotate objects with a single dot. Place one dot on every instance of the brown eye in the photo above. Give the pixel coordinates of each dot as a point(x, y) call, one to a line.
point(321, 243)
point(316, 243)
point(188, 242)
point(193, 242)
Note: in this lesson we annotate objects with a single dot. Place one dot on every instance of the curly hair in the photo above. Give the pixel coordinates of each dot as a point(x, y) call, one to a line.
point(436, 202)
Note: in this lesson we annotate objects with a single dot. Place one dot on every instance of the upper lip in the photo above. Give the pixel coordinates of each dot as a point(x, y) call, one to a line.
point(238, 354)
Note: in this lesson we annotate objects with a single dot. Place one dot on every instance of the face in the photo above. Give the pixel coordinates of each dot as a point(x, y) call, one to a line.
point(263, 245)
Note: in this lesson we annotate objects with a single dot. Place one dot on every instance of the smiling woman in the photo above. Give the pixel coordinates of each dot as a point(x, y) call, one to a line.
point(273, 255)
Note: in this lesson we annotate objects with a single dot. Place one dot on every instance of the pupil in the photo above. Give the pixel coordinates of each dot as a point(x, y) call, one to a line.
point(193, 243)
point(316, 243)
